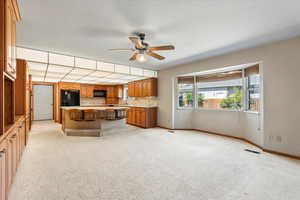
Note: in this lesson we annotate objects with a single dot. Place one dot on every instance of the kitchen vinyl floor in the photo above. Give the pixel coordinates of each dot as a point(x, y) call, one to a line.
point(130, 163)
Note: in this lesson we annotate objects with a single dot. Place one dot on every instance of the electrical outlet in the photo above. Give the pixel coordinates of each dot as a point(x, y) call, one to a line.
point(278, 138)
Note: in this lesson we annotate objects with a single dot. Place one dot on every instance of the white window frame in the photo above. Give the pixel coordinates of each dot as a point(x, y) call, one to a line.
point(177, 97)
point(245, 98)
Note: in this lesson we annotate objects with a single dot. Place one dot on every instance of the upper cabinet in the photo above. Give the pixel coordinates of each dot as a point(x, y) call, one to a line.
point(86, 91)
point(143, 88)
point(68, 86)
point(9, 17)
point(115, 91)
point(110, 91)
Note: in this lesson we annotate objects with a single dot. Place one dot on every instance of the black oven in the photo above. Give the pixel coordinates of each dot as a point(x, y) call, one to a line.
point(99, 93)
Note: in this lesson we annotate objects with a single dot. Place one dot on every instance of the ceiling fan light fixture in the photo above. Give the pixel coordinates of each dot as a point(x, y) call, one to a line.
point(141, 57)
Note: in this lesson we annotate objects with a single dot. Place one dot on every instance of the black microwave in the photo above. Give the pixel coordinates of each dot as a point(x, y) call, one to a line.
point(99, 93)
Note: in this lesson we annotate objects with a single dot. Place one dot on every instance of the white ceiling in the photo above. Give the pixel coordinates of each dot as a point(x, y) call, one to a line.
point(197, 28)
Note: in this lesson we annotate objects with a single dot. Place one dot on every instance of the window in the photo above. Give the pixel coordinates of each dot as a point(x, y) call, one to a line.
point(220, 90)
point(237, 89)
point(252, 88)
point(125, 93)
point(185, 91)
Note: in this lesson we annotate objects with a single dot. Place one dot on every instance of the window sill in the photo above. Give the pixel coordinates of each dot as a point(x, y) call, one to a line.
point(218, 109)
point(185, 108)
point(252, 112)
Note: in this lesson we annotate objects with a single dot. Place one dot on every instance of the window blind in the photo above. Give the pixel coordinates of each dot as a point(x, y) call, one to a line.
point(223, 76)
point(252, 70)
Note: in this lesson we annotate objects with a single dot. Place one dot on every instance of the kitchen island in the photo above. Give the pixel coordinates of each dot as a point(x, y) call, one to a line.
point(87, 121)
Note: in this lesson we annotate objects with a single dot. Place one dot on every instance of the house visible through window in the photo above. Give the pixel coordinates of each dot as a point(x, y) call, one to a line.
point(221, 90)
point(252, 88)
point(237, 89)
point(185, 91)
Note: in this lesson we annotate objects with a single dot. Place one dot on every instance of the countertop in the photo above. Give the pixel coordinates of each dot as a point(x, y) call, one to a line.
point(116, 105)
point(92, 108)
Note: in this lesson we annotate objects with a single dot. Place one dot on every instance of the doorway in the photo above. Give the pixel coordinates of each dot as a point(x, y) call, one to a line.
point(42, 102)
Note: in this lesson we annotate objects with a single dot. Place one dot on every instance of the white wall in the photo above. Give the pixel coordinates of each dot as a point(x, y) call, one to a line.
point(219, 121)
point(281, 69)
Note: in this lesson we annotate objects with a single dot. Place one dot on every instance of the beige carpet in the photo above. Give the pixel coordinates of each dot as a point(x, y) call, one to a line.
point(129, 163)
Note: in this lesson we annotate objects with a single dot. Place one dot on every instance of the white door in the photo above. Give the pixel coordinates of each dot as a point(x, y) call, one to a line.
point(42, 102)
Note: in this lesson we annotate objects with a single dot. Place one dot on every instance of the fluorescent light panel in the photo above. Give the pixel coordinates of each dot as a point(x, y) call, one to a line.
point(114, 76)
point(37, 66)
point(61, 59)
point(59, 69)
point(55, 75)
point(37, 72)
point(122, 69)
point(81, 72)
point(37, 78)
point(86, 63)
point(109, 67)
point(99, 73)
point(32, 55)
point(136, 71)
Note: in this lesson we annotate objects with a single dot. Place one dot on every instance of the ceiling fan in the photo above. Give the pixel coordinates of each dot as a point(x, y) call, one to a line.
point(142, 49)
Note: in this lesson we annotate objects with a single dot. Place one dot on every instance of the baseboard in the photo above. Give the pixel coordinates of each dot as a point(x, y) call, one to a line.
point(239, 138)
point(282, 154)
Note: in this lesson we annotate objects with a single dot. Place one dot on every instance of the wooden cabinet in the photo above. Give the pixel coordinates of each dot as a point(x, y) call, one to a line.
point(8, 18)
point(86, 91)
point(142, 117)
point(68, 86)
point(110, 91)
point(3, 171)
point(113, 94)
point(119, 91)
point(11, 149)
point(99, 87)
point(131, 89)
point(143, 88)
point(23, 94)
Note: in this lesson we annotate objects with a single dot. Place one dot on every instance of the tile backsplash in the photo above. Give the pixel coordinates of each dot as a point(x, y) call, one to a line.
point(143, 101)
point(135, 101)
point(92, 101)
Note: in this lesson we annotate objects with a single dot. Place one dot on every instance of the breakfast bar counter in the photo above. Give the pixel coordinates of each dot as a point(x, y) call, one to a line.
point(86, 121)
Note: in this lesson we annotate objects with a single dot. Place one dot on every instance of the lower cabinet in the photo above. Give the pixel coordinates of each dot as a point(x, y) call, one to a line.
point(11, 149)
point(142, 117)
point(3, 167)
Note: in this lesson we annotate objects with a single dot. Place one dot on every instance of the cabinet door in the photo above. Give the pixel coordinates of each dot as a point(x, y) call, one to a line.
point(145, 91)
point(119, 91)
point(10, 33)
point(14, 153)
point(3, 169)
point(129, 116)
point(90, 91)
point(83, 91)
point(137, 89)
point(110, 91)
point(131, 89)
point(143, 118)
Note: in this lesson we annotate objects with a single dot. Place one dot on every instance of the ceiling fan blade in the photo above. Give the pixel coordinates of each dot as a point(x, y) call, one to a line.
point(122, 49)
point(155, 55)
point(133, 57)
point(161, 48)
point(137, 42)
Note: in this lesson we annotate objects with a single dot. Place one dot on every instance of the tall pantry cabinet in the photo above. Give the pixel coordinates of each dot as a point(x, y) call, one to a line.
point(12, 125)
